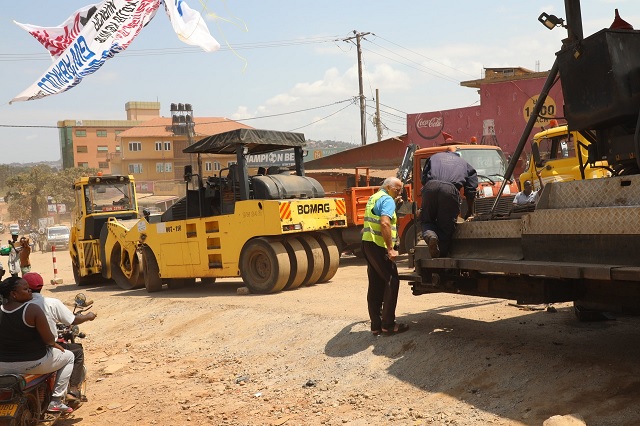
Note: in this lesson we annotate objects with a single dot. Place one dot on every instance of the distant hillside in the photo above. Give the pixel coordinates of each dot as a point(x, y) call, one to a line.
point(330, 144)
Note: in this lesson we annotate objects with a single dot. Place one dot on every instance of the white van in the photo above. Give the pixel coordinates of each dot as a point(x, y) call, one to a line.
point(58, 236)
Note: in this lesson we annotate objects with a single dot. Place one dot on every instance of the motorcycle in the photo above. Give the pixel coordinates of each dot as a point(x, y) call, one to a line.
point(24, 398)
point(69, 334)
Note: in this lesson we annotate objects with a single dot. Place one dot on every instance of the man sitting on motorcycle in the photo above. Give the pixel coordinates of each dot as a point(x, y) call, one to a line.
point(58, 313)
point(27, 345)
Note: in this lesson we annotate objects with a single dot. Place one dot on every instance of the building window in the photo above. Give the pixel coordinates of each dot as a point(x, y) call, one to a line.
point(117, 148)
point(103, 165)
point(207, 166)
point(158, 146)
point(167, 146)
point(83, 164)
point(101, 133)
point(81, 133)
point(82, 148)
point(135, 146)
point(135, 168)
point(217, 166)
point(103, 148)
point(117, 132)
point(164, 167)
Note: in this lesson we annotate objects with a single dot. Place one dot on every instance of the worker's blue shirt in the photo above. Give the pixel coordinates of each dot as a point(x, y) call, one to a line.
point(450, 167)
point(385, 206)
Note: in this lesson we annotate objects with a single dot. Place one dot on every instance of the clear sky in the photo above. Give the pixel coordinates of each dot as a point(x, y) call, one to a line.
point(282, 57)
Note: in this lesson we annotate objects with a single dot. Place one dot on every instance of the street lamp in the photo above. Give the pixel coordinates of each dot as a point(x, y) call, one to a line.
point(550, 21)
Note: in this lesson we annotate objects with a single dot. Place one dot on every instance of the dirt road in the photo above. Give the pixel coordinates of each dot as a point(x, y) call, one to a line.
point(208, 356)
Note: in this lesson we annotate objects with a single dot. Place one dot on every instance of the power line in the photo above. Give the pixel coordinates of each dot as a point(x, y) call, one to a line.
point(426, 57)
point(351, 100)
point(16, 57)
point(324, 118)
point(430, 71)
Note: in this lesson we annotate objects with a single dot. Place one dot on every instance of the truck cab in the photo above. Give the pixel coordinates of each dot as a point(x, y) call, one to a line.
point(560, 155)
point(490, 164)
point(98, 199)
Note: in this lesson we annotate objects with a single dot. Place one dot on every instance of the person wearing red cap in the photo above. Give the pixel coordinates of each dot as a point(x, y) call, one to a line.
point(27, 345)
point(58, 313)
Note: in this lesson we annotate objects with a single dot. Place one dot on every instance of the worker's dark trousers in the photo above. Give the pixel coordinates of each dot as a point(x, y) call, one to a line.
point(384, 285)
point(440, 210)
point(78, 362)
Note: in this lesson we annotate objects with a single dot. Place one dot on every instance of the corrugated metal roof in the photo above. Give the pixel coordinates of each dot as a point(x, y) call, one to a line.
point(255, 140)
point(161, 127)
point(378, 173)
point(154, 199)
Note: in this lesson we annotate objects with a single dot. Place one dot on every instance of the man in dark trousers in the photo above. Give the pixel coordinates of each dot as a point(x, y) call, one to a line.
point(379, 237)
point(444, 174)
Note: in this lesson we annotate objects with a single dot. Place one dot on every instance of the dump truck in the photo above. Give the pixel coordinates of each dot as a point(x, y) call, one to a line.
point(560, 156)
point(488, 160)
point(272, 231)
point(581, 242)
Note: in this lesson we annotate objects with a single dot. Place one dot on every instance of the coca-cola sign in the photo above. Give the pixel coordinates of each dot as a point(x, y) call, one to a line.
point(429, 125)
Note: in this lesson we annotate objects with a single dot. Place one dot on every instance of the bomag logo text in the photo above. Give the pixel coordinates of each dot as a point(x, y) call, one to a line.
point(313, 208)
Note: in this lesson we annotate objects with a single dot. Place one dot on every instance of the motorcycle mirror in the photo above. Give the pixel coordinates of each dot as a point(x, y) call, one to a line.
point(81, 299)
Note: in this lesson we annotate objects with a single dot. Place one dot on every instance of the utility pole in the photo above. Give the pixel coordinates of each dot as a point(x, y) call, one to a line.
point(363, 128)
point(378, 122)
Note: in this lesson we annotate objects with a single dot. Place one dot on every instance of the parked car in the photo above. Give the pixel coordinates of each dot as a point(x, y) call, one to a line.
point(58, 236)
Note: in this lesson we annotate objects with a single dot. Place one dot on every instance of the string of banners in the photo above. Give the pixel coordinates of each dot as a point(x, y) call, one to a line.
point(91, 35)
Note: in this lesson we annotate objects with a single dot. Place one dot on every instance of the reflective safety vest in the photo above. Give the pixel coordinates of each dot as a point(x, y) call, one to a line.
point(372, 230)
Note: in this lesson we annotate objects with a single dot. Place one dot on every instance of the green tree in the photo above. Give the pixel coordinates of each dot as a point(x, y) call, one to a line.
point(27, 192)
point(25, 195)
point(60, 186)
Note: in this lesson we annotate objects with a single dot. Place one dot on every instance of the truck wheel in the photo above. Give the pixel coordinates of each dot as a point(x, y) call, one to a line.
point(82, 281)
point(264, 266)
point(314, 258)
point(331, 257)
point(299, 263)
point(408, 240)
point(152, 280)
point(134, 280)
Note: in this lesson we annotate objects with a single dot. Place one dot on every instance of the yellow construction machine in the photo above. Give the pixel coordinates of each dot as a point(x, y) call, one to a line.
point(270, 230)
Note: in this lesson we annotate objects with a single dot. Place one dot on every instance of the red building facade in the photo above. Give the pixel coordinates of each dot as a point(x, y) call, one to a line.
point(507, 97)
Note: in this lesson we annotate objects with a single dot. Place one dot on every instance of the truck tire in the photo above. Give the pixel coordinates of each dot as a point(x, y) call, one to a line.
point(408, 239)
point(135, 280)
point(331, 256)
point(152, 280)
point(314, 258)
point(82, 281)
point(299, 263)
point(264, 266)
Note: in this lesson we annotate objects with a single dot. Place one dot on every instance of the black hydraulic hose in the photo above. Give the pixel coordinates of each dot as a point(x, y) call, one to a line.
point(527, 130)
point(636, 141)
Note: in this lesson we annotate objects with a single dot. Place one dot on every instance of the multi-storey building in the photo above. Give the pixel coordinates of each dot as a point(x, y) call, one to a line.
point(152, 151)
point(92, 143)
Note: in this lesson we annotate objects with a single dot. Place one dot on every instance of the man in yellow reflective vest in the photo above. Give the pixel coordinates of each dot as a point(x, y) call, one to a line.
point(379, 237)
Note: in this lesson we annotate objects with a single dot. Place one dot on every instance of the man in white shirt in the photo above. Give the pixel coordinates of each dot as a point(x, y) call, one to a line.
point(528, 195)
point(56, 313)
